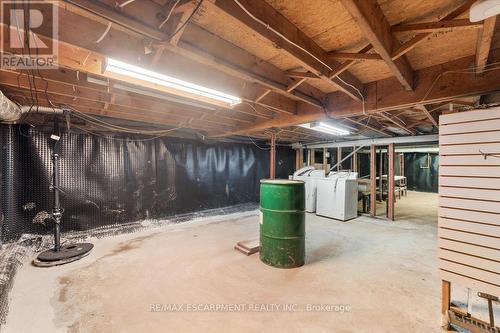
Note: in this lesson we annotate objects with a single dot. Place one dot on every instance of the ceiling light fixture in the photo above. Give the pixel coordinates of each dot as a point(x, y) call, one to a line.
point(482, 9)
point(123, 71)
point(326, 128)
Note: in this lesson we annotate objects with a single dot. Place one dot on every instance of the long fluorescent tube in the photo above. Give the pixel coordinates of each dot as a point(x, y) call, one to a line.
point(326, 128)
point(147, 76)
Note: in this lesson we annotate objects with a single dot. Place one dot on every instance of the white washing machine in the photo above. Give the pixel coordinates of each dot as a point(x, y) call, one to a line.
point(309, 175)
point(337, 195)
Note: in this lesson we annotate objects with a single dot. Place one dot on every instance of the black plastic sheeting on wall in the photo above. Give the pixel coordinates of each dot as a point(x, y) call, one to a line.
point(421, 175)
point(107, 181)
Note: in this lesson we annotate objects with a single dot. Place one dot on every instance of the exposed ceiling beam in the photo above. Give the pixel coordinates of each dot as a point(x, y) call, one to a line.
point(347, 64)
point(437, 26)
point(397, 123)
point(413, 42)
point(484, 42)
point(262, 18)
point(388, 95)
point(424, 109)
point(354, 56)
point(81, 92)
point(172, 64)
point(307, 75)
point(377, 30)
point(367, 126)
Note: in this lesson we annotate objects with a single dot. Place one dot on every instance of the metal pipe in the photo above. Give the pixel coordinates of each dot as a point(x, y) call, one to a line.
point(56, 212)
point(345, 158)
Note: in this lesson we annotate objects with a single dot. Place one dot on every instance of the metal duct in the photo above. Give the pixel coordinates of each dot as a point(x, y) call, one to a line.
point(10, 112)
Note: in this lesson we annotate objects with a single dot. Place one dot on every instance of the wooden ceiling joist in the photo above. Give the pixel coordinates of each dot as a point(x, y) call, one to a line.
point(397, 123)
point(347, 64)
point(273, 26)
point(368, 126)
point(377, 30)
point(417, 39)
point(484, 39)
point(431, 27)
point(430, 116)
point(195, 52)
point(354, 56)
point(388, 95)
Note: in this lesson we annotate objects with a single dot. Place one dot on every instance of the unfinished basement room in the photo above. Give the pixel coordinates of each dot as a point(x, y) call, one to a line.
point(250, 166)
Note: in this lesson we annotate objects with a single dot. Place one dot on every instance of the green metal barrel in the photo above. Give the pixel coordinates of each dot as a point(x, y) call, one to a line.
point(282, 223)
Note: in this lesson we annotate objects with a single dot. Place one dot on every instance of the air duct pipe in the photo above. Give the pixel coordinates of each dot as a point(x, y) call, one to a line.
point(10, 112)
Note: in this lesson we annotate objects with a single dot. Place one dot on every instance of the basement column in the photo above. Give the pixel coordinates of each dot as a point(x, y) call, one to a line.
point(325, 160)
point(354, 160)
point(297, 159)
point(272, 158)
point(301, 158)
point(390, 176)
point(373, 181)
point(339, 158)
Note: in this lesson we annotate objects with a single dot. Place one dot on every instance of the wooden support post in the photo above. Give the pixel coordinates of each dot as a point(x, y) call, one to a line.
point(390, 189)
point(445, 296)
point(272, 157)
point(402, 164)
point(301, 158)
point(373, 181)
point(313, 157)
point(354, 161)
point(297, 159)
point(381, 172)
point(339, 158)
point(325, 160)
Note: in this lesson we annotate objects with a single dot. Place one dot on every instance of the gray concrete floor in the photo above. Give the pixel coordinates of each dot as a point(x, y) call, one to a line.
point(385, 273)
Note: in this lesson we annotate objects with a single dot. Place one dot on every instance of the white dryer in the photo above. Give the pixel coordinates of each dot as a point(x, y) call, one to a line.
point(309, 175)
point(337, 195)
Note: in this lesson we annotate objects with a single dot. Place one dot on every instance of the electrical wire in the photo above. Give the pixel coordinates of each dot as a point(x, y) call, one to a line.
point(256, 145)
point(107, 125)
point(169, 14)
point(187, 21)
point(472, 70)
point(255, 109)
point(120, 139)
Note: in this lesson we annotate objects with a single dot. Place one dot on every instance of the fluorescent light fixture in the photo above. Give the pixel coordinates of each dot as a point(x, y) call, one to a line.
point(326, 128)
point(170, 84)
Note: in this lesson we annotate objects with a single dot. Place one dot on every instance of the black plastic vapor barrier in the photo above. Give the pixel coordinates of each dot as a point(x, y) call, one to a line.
point(422, 171)
point(105, 181)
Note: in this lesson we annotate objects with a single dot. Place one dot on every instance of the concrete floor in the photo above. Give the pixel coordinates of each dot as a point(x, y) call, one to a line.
point(384, 273)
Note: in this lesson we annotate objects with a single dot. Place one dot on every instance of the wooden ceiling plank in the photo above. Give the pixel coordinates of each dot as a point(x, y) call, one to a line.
point(429, 115)
point(484, 39)
point(412, 43)
point(300, 75)
point(431, 27)
point(347, 64)
point(397, 123)
point(375, 27)
point(371, 128)
point(354, 56)
point(273, 26)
